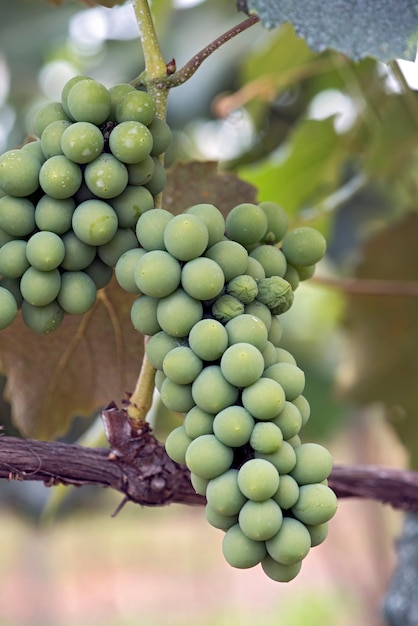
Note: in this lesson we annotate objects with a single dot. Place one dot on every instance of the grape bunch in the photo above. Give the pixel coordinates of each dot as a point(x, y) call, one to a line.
point(210, 295)
point(70, 200)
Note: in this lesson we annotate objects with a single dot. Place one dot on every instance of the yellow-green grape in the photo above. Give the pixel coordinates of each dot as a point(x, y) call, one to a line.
point(260, 310)
point(316, 504)
point(34, 148)
point(275, 331)
point(255, 269)
point(161, 136)
point(292, 276)
point(159, 345)
point(313, 464)
point(288, 492)
point(46, 114)
point(17, 216)
point(66, 90)
point(106, 176)
point(289, 420)
point(125, 269)
point(291, 543)
point(271, 258)
point(51, 138)
point(240, 551)
point(246, 223)
point(223, 494)
point(277, 221)
point(289, 376)
point(131, 204)
point(243, 287)
point(199, 484)
point(116, 93)
point(264, 399)
point(197, 422)
point(40, 288)
point(279, 572)
point(260, 520)
point(242, 364)
point(181, 365)
point(266, 437)
point(130, 141)
point(8, 308)
point(318, 533)
point(202, 278)
point(123, 240)
point(212, 392)
point(13, 259)
point(304, 246)
point(54, 215)
point(269, 354)
point(247, 328)
point(176, 444)
point(217, 520)
point(227, 307)
point(188, 312)
point(42, 319)
point(213, 219)
point(150, 229)
point(258, 479)
point(59, 177)
point(89, 101)
point(157, 274)
point(141, 173)
point(208, 339)
point(304, 407)
point(81, 142)
point(276, 293)
point(95, 222)
point(295, 441)
point(176, 397)
point(208, 457)
point(78, 255)
point(284, 356)
point(186, 237)
point(45, 250)
point(144, 315)
point(158, 179)
point(136, 105)
point(78, 292)
point(283, 459)
point(99, 272)
point(231, 256)
point(233, 426)
point(19, 172)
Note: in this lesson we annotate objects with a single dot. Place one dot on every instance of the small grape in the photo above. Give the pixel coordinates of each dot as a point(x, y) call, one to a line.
point(318, 533)
point(89, 101)
point(269, 354)
point(242, 364)
point(8, 308)
point(13, 285)
point(212, 392)
point(313, 464)
point(40, 288)
point(144, 315)
point(284, 356)
point(217, 520)
point(264, 399)
point(231, 256)
point(99, 272)
point(54, 215)
point(130, 142)
point(243, 287)
point(227, 307)
point(13, 260)
point(176, 397)
point(66, 90)
point(292, 276)
point(260, 520)
point(305, 272)
point(289, 376)
point(283, 459)
point(304, 407)
point(198, 422)
point(123, 241)
point(289, 420)
point(82, 142)
point(34, 148)
point(19, 172)
point(136, 105)
point(276, 330)
point(106, 176)
point(95, 222)
point(150, 229)
point(213, 219)
point(141, 173)
point(159, 345)
point(247, 328)
point(208, 339)
point(266, 437)
point(176, 444)
point(246, 223)
point(186, 236)
point(258, 479)
point(17, 216)
point(271, 258)
point(78, 255)
point(295, 441)
point(276, 293)
point(45, 250)
point(233, 426)
point(158, 178)
point(125, 269)
point(255, 269)
point(159, 379)
point(223, 494)
point(51, 138)
point(288, 492)
point(304, 246)
point(208, 457)
point(59, 177)
point(42, 319)
point(240, 551)
point(161, 136)
point(202, 278)
point(131, 204)
point(78, 292)
point(279, 572)
point(46, 114)
point(260, 310)
point(117, 93)
point(199, 484)
point(181, 365)
point(291, 543)
point(277, 221)
point(188, 312)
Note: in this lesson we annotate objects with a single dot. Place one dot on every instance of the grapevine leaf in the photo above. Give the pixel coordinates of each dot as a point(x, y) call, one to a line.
point(87, 362)
point(378, 28)
point(382, 342)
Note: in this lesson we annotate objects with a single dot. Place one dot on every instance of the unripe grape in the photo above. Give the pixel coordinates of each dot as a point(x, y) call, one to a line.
point(136, 105)
point(316, 504)
point(59, 177)
point(233, 426)
point(186, 237)
point(292, 276)
point(200, 484)
point(287, 493)
point(176, 397)
point(176, 444)
point(82, 142)
point(226, 307)
point(269, 354)
point(264, 399)
point(313, 464)
point(304, 407)
point(271, 258)
point(304, 246)
point(223, 494)
point(94, 222)
point(78, 292)
point(258, 479)
point(277, 221)
point(276, 293)
point(117, 93)
point(202, 278)
point(131, 204)
point(8, 308)
point(279, 572)
point(188, 312)
point(130, 142)
point(212, 392)
point(213, 219)
point(66, 90)
point(106, 176)
point(158, 179)
point(19, 172)
point(144, 315)
point(283, 459)
point(207, 457)
point(208, 339)
point(243, 287)
point(159, 378)
point(318, 533)
point(291, 543)
point(247, 328)
point(242, 364)
point(99, 272)
point(181, 365)
point(51, 138)
point(289, 376)
point(17, 216)
point(141, 173)
point(260, 520)
point(123, 241)
point(289, 420)
point(255, 269)
point(89, 101)
point(125, 269)
point(260, 310)
point(198, 422)
point(159, 345)
point(13, 285)
point(78, 255)
point(284, 356)
point(157, 274)
point(45, 250)
point(275, 331)
point(54, 215)
point(46, 114)
point(13, 260)
point(217, 520)
point(42, 319)
point(246, 223)
point(150, 229)
point(231, 256)
point(266, 437)
point(240, 551)
point(161, 136)
point(40, 288)
point(305, 272)
point(34, 148)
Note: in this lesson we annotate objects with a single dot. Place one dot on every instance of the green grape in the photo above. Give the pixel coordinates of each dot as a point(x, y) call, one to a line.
point(292, 276)
point(247, 328)
point(34, 148)
point(260, 520)
point(199, 484)
point(275, 331)
point(289, 376)
point(266, 437)
point(264, 399)
point(125, 269)
point(279, 572)
point(213, 219)
point(207, 457)
point(305, 272)
point(40, 288)
point(243, 287)
point(188, 312)
point(223, 494)
point(150, 229)
point(99, 272)
point(45, 250)
point(277, 221)
point(59, 177)
point(212, 392)
point(19, 173)
point(17, 216)
point(304, 407)
point(5, 237)
point(240, 551)
point(233, 426)
point(89, 101)
point(318, 533)
point(291, 543)
point(161, 136)
point(181, 365)
point(144, 315)
point(202, 278)
point(54, 215)
point(283, 459)
point(130, 142)
point(208, 339)
point(66, 90)
point(313, 464)
point(78, 292)
point(82, 142)
point(123, 241)
point(260, 310)
point(271, 258)
point(295, 441)
point(159, 379)
point(304, 246)
point(176, 444)
point(242, 364)
point(116, 93)
point(255, 269)
point(186, 237)
point(131, 204)
point(269, 354)
point(95, 222)
point(176, 397)
point(42, 319)
point(246, 223)
point(258, 479)
point(78, 255)
point(8, 308)
point(141, 173)
point(226, 307)
point(217, 520)
point(158, 179)
point(231, 256)
point(157, 274)
point(160, 344)
point(198, 422)
point(136, 105)
point(106, 176)
point(13, 285)
point(289, 420)
point(13, 260)
point(46, 114)
point(276, 293)
point(288, 492)
point(284, 356)
point(51, 138)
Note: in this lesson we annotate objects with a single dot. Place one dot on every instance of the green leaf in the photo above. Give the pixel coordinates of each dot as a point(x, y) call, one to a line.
point(380, 28)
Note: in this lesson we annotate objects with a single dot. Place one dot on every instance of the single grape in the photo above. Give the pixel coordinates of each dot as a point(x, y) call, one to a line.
point(207, 457)
point(54, 215)
point(231, 256)
point(283, 459)
point(223, 494)
point(288, 492)
point(59, 177)
point(13, 285)
point(304, 407)
point(161, 136)
point(66, 90)
point(289, 376)
point(159, 379)
point(269, 354)
point(295, 441)
point(266, 437)
point(78, 255)
point(136, 105)
point(89, 101)
point(19, 173)
point(260, 310)
point(176, 444)
point(78, 292)
point(157, 274)
point(188, 312)
point(313, 464)
point(159, 345)
point(240, 551)
point(246, 223)
point(233, 426)
point(144, 315)
point(305, 272)
point(34, 148)
point(158, 179)
point(208, 339)
point(292, 276)
point(40, 288)
point(289, 420)
point(141, 173)
point(258, 479)
point(304, 246)
point(82, 142)
point(284, 356)
point(260, 520)
point(13, 260)
point(264, 399)
point(242, 364)
point(255, 269)
point(212, 392)
point(276, 330)
point(271, 258)
point(46, 114)
point(181, 365)
point(318, 533)
point(247, 328)
point(176, 397)
point(99, 272)
point(150, 229)
point(226, 307)
point(123, 241)
point(117, 93)
point(217, 520)
point(8, 308)
point(277, 221)
point(276, 293)
point(42, 319)
point(202, 279)
point(95, 222)
point(213, 219)
point(131, 204)
point(186, 236)
point(279, 572)
point(130, 142)
point(291, 543)
point(17, 216)
point(125, 269)
point(243, 287)
point(45, 250)
point(199, 484)
point(106, 176)
point(198, 422)
point(51, 138)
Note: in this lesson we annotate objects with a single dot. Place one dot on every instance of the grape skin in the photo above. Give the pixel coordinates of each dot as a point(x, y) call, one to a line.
point(123, 241)
point(46, 114)
point(19, 173)
point(258, 479)
point(176, 444)
point(157, 274)
point(186, 237)
point(188, 312)
point(17, 216)
point(279, 572)
point(106, 176)
point(133, 202)
point(150, 229)
point(144, 315)
point(181, 365)
point(82, 142)
point(242, 364)
point(207, 457)
point(137, 106)
point(264, 399)
point(313, 464)
point(284, 459)
point(260, 520)
point(213, 219)
point(89, 101)
point(217, 520)
point(125, 269)
point(208, 339)
point(94, 222)
point(277, 220)
point(231, 256)
point(78, 255)
point(160, 344)
point(78, 292)
point(45, 250)
point(223, 494)
point(304, 246)
point(51, 138)
point(130, 142)
point(240, 551)
point(13, 260)
point(246, 223)
point(233, 426)
point(247, 328)
point(40, 288)
point(316, 504)
point(42, 319)
point(59, 177)
point(8, 308)
point(202, 278)
point(54, 215)
point(198, 422)
point(266, 437)
point(212, 392)
point(289, 376)
point(176, 397)
point(291, 543)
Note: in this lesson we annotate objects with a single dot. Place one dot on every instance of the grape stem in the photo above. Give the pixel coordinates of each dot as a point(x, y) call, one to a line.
point(140, 401)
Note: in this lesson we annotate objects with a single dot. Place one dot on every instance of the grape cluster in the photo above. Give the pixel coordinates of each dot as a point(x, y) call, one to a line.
point(70, 200)
point(210, 295)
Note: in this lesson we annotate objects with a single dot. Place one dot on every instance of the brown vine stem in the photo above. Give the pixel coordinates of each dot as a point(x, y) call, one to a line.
point(369, 286)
